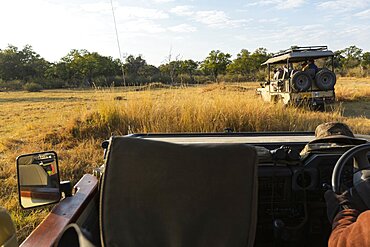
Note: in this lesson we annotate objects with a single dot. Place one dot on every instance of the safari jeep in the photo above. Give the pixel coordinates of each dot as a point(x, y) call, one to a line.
point(207, 189)
point(293, 83)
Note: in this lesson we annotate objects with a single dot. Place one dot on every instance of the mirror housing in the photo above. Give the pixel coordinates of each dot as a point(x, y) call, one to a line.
point(38, 179)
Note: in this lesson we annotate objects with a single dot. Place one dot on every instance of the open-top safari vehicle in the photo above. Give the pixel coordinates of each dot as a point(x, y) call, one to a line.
point(214, 189)
point(297, 79)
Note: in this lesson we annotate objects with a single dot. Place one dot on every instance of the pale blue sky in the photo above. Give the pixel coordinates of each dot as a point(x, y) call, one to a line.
point(187, 28)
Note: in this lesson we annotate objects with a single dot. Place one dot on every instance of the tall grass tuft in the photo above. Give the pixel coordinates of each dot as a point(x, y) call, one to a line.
point(353, 89)
point(210, 109)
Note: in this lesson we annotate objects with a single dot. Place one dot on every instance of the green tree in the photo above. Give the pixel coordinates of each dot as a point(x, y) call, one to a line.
point(134, 64)
point(242, 64)
point(189, 67)
point(171, 70)
point(70, 67)
point(259, 56)
point(149, 72)
point(10, 62)
point(365, 61)
point(338, 59)
point(23, 64)
point(34, 65)
point(216, 63)
point(352, 56)
point(80, 67)
point(248, 64)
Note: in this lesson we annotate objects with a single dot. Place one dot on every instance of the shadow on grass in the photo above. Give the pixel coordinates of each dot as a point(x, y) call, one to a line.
point(42, 99)
point(356, 109)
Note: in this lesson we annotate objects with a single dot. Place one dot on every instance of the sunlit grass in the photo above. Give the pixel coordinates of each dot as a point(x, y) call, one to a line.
point(195, 110)
point(353, 89)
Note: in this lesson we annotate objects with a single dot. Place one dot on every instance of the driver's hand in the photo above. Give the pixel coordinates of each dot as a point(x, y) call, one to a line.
point(335, 203)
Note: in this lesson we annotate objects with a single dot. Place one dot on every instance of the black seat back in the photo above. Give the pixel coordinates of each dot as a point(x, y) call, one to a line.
point(163, 194)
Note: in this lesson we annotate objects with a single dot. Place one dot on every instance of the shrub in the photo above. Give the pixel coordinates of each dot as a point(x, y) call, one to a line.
point(32, 87)
point(356, 72)
point(11, 85)
point(51, 83)
point(260, 75)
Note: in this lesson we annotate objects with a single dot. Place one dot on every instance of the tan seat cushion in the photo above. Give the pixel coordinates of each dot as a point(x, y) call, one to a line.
point(32, 175)
point(163, 194)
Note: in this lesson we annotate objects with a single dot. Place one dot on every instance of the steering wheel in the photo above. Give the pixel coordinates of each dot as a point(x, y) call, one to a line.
point(361, 171)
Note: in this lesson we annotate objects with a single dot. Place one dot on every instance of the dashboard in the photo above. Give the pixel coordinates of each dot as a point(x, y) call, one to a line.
point(291, 205)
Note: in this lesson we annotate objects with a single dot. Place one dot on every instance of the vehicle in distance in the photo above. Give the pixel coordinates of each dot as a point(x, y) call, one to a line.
point(300, 75)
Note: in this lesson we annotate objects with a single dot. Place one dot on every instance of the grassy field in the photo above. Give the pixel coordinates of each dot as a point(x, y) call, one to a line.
point(74, 122)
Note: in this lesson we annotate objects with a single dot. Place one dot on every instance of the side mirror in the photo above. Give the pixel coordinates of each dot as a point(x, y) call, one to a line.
point(38, 179)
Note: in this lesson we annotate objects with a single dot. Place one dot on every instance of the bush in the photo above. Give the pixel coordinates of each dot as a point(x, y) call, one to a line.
point(202, 79)
point(11, 85)
point(103, 81)
point(50, 83)
point(356, 72)
point(260, 75)
point(32, 87)
point(233, 78)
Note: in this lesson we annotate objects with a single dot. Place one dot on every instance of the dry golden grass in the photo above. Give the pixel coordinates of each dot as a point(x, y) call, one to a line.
point(74, 123)
point(353, 89)
point(354, 93)
point(195, 110)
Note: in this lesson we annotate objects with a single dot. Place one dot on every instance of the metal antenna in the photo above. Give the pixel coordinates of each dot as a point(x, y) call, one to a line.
point(119, 47)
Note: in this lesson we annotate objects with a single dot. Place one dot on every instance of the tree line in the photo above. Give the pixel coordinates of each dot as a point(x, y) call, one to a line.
point(26, 69)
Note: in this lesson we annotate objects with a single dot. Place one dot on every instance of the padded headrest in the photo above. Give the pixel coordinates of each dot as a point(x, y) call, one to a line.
point(163, 194)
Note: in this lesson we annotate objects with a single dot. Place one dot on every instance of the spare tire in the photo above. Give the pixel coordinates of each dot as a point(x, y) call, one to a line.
point(301, 81)
point(325, 79)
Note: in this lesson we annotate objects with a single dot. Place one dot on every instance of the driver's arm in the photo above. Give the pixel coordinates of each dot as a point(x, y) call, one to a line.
point(350, 227)
point(344, 225)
